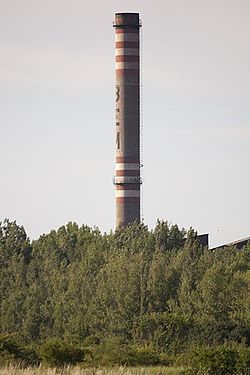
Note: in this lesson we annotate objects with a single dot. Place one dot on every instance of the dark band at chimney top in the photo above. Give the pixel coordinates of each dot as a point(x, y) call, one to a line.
point(123, 20)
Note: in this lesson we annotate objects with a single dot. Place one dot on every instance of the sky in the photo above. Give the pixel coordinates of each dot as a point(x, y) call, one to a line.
point(57, 118)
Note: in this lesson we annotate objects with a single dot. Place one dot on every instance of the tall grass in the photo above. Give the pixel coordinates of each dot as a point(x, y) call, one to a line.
point(14, 370)
point(41, 370)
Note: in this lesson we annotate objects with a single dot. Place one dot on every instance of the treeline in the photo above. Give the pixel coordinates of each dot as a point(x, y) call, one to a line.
point(138, 288)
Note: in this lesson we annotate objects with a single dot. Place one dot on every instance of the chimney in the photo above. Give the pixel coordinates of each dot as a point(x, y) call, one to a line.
point(127, 178)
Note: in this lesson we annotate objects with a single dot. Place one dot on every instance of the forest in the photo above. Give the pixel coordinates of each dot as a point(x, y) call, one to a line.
point(132, 296)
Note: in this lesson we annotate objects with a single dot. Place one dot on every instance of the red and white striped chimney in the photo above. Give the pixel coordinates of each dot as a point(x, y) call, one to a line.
point(127, 178)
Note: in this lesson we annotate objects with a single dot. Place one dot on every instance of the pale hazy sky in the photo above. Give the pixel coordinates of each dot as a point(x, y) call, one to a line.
point(57, 113)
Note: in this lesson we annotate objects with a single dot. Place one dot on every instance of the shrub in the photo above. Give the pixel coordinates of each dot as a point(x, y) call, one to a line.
point(57, 353)
point(167, 359)
point(115, 351)
point(11, 351)
point(111, 352)
point(214, 361)
point(146, 356)
point(244, 358)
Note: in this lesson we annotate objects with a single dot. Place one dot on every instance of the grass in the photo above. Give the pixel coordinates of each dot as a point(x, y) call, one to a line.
point(41, 370)
point(14, 370)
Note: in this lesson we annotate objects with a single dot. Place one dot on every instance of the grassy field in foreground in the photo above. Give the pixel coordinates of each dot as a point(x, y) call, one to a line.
point(12, 370)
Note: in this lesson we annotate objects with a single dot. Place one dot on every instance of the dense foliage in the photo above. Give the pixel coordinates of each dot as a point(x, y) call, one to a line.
point(147, 290)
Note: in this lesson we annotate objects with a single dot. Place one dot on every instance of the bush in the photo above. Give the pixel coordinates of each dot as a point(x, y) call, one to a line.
point(117, 352)
point(111, 352)
point(146, 356)
point(57, 353)
point(214, 361)
point(244, 358)
point(11, 351)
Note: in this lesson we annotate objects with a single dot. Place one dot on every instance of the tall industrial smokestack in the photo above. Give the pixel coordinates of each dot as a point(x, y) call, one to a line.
point(127, 179)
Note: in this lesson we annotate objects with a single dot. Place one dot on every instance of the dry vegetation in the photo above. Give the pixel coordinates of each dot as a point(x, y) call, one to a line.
point(14, 370)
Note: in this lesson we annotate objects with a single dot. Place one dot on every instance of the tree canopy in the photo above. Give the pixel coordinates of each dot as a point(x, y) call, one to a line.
point(157, 288)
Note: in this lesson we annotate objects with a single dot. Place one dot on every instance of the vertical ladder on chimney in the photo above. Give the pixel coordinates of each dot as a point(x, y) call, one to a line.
point(141, 128)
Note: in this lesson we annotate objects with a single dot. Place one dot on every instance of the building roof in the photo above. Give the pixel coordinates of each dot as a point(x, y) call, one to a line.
point(238, 244)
